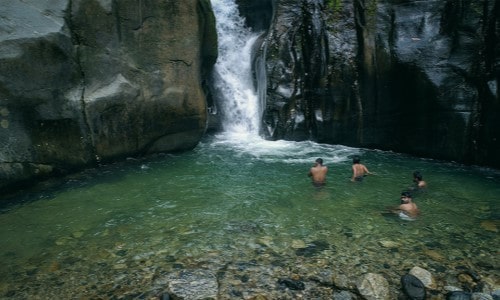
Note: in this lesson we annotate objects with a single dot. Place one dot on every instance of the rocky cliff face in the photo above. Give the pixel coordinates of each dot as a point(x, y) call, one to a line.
point(411, 76)
point(84, 81)
point(88, 80)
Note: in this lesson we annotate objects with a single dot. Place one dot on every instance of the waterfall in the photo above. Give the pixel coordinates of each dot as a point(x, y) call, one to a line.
point(233, 84)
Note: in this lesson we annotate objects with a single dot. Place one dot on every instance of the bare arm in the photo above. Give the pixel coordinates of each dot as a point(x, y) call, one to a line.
point(365, 169)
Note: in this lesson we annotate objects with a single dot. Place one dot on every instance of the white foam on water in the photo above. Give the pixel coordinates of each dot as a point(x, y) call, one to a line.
point(281, 151)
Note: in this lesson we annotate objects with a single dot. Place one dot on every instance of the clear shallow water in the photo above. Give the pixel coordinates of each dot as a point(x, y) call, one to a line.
point(244, 199)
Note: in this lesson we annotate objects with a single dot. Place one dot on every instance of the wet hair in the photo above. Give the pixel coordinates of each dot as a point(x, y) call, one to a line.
point(356, 159)
point(406, 194)
point(417, 175)
point(319, 161)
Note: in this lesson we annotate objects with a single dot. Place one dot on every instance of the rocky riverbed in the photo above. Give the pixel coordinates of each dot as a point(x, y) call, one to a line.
point(339, 264)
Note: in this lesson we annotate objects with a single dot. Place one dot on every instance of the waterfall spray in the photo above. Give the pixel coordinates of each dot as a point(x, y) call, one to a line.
point(233, 82)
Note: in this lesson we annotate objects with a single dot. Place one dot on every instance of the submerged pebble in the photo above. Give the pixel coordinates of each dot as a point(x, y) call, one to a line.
point(413, 287)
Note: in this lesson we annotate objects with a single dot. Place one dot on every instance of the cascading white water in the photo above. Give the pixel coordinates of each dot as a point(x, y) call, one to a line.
point(238, 98)
point(233, 82)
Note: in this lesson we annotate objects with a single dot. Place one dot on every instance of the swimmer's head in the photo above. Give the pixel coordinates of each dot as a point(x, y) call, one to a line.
point(405, 197)
point(417, 175)
point(356, 159)
point(319, 161)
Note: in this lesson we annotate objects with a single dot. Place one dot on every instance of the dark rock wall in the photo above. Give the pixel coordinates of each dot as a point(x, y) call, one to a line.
point(297, 68)
point(419, 77)
point(85, 81)
point(258, 13)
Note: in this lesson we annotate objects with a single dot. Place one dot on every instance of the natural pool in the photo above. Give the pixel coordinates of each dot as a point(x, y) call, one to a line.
point(245, 210)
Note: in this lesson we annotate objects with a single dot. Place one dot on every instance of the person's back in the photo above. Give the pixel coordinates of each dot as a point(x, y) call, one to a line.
point(318, 173)
point(359, 171)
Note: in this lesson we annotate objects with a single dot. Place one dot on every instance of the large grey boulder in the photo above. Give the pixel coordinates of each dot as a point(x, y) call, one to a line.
point(85, 81)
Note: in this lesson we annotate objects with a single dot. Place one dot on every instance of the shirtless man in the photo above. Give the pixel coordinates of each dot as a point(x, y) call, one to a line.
point(318, 173)
point(358, 170)
point(419, 181)
point(407, 210)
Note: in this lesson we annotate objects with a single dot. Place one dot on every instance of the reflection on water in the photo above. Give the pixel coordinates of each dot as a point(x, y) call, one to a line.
point(233, 200)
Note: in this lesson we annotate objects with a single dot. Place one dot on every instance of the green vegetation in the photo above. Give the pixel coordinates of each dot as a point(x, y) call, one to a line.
point(371, 7)
point(334, 5)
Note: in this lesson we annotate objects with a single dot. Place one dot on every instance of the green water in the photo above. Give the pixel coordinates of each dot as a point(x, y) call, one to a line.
point(107, 230)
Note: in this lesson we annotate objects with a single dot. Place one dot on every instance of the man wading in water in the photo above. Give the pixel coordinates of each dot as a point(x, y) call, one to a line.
point(318, 173)
point(359, 171)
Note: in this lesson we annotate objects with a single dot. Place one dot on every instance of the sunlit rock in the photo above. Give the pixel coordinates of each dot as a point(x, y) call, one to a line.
point(373, 287)
point(424, 276)
point(193, 285)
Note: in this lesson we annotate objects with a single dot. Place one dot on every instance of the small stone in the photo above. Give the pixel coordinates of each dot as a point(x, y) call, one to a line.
point(466, 279)
point(295, 277)
point(120, 266)
point(413, 287)
point(388, 244)
point(341, 281)
point(489, 225)
point(194, 284)
point(434, 255)
point(295, 285)
point(459, 296)
point(297, 244)
point(424, 276)
point(374, 287)
point(165, 296)
point(450, 288)
point(481, 296)
point(266, 241)
point(343, 295)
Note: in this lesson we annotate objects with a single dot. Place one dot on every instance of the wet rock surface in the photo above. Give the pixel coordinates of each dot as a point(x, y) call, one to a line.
point(355, 72)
